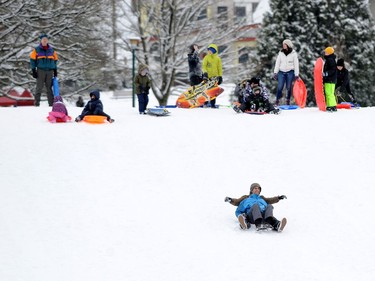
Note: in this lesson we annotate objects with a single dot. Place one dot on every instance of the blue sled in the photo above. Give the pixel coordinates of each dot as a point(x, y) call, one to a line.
point(55, 85)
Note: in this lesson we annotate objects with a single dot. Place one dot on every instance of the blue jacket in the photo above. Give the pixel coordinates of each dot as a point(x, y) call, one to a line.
point(249, 202)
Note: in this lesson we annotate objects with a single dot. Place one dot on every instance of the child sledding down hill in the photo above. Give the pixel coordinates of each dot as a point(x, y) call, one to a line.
point(94, 107)
point(59, 112)
point(256, 100)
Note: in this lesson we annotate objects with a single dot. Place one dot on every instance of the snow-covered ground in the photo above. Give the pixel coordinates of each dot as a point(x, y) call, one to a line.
point(143, 198)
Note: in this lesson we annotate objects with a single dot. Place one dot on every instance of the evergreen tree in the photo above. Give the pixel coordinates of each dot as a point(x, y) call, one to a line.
point(312, 26)
point(353, 38)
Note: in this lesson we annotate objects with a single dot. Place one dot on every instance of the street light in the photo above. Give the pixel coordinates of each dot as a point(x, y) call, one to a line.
point(134, 43)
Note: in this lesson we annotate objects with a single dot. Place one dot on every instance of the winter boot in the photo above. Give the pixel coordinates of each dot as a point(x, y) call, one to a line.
point(277, 102)
point(280, 225)
point(288, 102)
point(244, 224)
point(237, 109)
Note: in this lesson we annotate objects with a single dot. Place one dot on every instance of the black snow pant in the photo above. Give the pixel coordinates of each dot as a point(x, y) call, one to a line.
point(44, 78)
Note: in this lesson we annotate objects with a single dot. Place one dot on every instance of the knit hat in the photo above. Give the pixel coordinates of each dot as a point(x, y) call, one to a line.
point(329, 50)
point(254, 185)
point(288, 43)
point(42, 36)
point(340, 62)
point(254, 80)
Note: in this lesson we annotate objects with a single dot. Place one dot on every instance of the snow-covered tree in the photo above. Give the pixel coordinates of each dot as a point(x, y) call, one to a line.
point(73, 28)
point(312, 25)
point(166, 29)
point(352, 34)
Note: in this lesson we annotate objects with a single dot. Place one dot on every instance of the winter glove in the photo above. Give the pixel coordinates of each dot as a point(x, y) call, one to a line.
point(220, 80)
point(55, 73)
point(35, 74)
point(282, 197)
point(205, 76)
point(228, 199)
point(296, 78)
point(275, 76)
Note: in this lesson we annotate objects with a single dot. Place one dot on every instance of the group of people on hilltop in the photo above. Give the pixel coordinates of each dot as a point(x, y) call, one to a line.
point(253, 94)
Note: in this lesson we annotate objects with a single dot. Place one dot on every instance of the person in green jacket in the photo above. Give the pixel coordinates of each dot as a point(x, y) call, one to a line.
point(212, 67)
point(142, 86)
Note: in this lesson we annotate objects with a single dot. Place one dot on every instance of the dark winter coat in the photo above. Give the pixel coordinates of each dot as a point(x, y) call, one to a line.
point(58, 105)
point(257, 102)
point(142, 82)
point(94, 106)
point(195, 68)
point(330, 69)
point(342, 79)
point(256, 198)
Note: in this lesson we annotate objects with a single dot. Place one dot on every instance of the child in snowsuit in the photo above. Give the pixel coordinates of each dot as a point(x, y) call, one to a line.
point(142, 87)
point(256, 99)
point(195, 71)
point(94, 107)
point(59, 111)
point(212, 67)
point(343, 82)
point(257, 209)
point(330, 78)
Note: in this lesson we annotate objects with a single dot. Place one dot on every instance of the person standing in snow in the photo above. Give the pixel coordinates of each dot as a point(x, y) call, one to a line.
point(94, 107)
point(212, 67)
point(286, 70)
point(43, 62)
point(343, 82)
point(195, 68)
point(142, 86)
point(330, 78)
point(257, 209)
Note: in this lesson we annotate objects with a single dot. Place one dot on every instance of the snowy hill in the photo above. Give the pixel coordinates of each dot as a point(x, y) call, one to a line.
point(143, 198)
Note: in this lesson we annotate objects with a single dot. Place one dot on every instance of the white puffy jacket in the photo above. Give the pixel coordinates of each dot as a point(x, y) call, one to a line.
point(286, 63)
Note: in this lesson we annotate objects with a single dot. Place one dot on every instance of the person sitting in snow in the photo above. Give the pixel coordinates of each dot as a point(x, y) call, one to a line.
point(257, 209)
point(94, 107)
point(59, 111)
point(246, 89)
point(256, 99)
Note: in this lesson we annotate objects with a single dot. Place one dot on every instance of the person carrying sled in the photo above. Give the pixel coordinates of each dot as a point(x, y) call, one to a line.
point(43, 62)
point(142, 83)
point(59, 111)
point(195, 68)
point(212, 67)
point(256, 99)
point(343, 82)
point(257, 209)
point(94, 107)
point(286, 70)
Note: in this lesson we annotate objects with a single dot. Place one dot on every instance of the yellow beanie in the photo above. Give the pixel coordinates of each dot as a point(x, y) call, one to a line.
point(329, 50)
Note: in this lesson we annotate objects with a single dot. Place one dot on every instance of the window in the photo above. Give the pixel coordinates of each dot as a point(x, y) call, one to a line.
point(240, 12)
point(203, 14)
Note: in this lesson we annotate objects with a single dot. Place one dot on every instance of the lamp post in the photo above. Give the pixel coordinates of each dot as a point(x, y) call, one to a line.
point(134, 43)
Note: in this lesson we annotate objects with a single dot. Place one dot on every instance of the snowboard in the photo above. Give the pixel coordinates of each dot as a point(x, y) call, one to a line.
point(196, 96)
point(158, 111)
point(55, 85)
point(318, 84)
point(300, 93)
